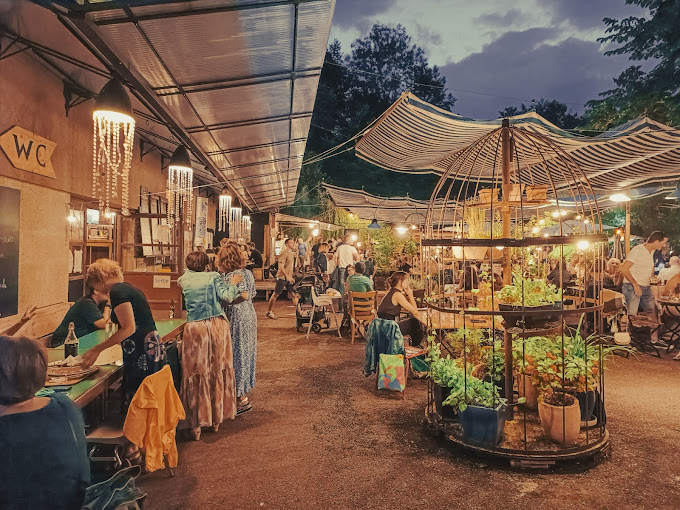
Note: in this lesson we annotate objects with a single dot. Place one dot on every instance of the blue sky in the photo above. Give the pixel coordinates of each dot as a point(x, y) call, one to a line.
point(496, 53)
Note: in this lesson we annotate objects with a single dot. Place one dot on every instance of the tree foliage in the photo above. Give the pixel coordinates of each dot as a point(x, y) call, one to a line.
point(354, 90)
point(655, 93)
point(550, 109)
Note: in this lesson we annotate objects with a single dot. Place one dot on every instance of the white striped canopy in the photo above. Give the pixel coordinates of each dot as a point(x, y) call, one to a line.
point(395, 210)
point(415, 136)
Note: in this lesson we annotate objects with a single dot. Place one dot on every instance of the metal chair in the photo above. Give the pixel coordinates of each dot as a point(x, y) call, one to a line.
point(321, 302)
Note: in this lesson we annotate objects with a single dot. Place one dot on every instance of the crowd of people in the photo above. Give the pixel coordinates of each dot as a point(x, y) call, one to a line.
point(218, 357)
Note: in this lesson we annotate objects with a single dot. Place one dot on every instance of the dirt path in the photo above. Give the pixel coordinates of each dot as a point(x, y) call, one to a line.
point(320, 437)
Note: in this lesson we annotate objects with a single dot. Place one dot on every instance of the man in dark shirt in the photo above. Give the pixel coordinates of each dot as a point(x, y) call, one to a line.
point(315, 248)
point(255, 256)
point(88, 314)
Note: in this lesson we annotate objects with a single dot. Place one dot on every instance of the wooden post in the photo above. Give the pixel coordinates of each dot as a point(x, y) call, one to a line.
point(507, 270)
point(626, 236)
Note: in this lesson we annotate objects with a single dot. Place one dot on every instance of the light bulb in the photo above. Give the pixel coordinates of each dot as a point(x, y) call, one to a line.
point(563, 213)
point(586, 221)
point(315, 232)
point(578, 216)
point(354, 237)
point(541, 222)
point(555, 214)
point(499, 247)
point(545, 235)
point(535, 230)
point(582, 245)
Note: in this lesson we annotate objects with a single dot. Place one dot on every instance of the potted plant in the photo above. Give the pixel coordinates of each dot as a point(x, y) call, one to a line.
point(560, 417)
point(488, 195)
point(528, 295)
point(537, 193)
point(481, 409)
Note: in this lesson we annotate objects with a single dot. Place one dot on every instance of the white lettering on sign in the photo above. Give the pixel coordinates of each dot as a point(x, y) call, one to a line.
point(161, 281)
point(28, 151)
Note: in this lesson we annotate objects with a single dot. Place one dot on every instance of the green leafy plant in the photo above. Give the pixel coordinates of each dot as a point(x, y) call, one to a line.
point(468, 340)
point(529, 292)
point(465, 389)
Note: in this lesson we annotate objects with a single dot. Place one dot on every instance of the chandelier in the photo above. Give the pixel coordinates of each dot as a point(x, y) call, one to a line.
point(112, 144)
point(224, 211)
point(180, 184)
point(245, 230)
point(235, 224)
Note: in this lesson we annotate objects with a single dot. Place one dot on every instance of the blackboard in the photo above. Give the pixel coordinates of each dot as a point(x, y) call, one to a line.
point(10, 201)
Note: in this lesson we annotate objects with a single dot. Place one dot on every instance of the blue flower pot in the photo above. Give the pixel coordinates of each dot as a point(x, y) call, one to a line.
point(483, 425)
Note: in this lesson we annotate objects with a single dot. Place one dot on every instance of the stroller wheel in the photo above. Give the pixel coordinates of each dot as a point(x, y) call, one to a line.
point(316, 327)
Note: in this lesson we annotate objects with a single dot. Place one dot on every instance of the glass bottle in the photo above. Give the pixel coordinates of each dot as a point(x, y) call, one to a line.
point(71, 342)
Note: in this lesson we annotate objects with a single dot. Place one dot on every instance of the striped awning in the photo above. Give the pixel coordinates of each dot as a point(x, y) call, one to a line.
point(415, 136)
point(394, 210)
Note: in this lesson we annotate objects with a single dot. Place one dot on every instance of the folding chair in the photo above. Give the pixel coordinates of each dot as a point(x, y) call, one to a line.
point(320, 302)
point(362, 309)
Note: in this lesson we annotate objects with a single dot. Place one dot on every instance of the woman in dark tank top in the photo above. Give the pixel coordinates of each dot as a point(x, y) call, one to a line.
point(400, 296)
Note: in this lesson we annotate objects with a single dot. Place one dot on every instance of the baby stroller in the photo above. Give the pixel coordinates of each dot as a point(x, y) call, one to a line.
point(305, 305)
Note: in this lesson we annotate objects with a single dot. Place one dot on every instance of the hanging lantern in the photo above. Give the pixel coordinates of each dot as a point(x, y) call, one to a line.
point(235, 224)
point(246, 228)
point(112, 143)
point(180, 184)
point(224, 211)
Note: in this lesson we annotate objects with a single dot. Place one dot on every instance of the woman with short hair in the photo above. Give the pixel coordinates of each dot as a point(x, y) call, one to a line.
point(143, 352)
point(208, 388)
point(242, 323)
point(43, 459)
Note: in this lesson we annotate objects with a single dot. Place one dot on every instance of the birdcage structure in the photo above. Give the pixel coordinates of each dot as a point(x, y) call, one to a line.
point(513, 266)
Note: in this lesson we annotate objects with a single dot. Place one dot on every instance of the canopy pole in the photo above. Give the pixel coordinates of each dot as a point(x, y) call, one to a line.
point(507, 270)
point(626, 236)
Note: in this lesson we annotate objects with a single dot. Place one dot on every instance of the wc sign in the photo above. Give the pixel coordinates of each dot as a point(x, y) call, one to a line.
point(28, 151)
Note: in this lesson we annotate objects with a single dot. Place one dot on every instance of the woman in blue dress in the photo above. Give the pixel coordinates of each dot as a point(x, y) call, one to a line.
point(242, 321)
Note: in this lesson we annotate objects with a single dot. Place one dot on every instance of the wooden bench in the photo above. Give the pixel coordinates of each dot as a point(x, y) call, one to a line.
point(266, 286)
point(44, 322)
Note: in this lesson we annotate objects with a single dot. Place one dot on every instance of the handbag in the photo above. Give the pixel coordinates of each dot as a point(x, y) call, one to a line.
point(391, 372)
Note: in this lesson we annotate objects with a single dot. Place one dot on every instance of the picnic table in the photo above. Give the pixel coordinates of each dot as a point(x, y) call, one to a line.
point(85, 391)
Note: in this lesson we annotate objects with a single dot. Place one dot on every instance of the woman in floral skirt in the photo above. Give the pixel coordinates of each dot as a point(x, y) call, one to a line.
point(242, 321)
point(207, 391)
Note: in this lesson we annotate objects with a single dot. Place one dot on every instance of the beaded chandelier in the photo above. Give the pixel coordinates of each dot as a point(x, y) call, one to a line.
point(112, 144)
point(180, 186)
point(224, 211)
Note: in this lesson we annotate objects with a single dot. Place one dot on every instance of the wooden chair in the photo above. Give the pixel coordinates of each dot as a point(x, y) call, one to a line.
point(258, 273)
point(362, 309)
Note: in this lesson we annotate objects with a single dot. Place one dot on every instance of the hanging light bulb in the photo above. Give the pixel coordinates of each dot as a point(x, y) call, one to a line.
point(112, 144)
point(180, 183)
point(224, 209)
point(71, 218)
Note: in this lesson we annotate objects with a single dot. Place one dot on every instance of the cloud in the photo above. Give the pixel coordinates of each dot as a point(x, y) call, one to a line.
point(520, 66)
point(424, 36)
point(497, 20)
point(587, 14)
point(357, 13)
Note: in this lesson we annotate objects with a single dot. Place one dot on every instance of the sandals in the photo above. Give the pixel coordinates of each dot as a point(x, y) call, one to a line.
point(243, 406)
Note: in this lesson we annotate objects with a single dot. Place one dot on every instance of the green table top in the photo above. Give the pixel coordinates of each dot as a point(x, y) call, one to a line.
point(163, 326)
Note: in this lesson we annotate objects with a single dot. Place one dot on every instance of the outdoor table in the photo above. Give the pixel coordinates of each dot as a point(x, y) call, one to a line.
point(85, 391)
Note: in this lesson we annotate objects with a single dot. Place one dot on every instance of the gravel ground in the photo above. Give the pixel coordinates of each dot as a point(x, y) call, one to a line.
point(319, 436)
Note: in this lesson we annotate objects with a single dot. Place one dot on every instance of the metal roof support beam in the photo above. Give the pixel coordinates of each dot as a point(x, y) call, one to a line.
point(267, 162)
point(193, 12)
point(86, 33)
point(258, 146)
point(259, 176)
point(253, 122)
point(192, 88)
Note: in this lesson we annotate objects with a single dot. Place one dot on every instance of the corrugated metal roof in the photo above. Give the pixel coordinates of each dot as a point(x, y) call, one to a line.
point(234, 80)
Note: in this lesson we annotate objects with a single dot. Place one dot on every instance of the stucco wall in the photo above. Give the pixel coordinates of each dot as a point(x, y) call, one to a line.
point(32, 97)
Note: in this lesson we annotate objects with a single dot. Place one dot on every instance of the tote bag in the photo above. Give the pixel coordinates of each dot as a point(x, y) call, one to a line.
point(391, 372)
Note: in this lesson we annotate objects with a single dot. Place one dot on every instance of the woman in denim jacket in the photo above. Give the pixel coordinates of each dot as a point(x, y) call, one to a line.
point(208, 389)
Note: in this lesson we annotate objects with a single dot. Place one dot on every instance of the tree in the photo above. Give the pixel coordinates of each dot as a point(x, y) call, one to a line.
point(550, 109)
point(655, 93)
point(353, 91)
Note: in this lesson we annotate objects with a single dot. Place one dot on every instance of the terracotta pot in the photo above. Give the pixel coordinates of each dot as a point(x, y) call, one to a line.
point(561, 424)
point(487, 195)
point(514, 192)
point(471, 252)
point(527, 390)
point(538, 193)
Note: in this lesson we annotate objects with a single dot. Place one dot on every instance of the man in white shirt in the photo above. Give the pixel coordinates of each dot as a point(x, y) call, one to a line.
point(345, 255)
point(637, 270)
point(669, 272)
